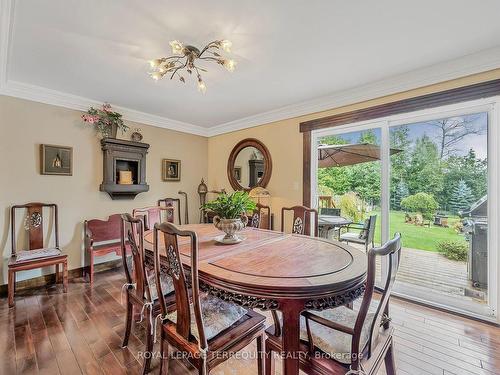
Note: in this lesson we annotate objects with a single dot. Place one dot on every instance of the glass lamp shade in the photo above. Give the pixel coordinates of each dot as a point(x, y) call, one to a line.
point(259, 193)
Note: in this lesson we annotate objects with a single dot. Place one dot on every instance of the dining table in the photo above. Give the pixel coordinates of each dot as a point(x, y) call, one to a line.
point(270, 270)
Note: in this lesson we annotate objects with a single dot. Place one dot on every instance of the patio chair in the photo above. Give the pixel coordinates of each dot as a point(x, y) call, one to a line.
point(365, 235)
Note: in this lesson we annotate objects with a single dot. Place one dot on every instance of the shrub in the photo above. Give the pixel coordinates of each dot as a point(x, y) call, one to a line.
point(350, 206)
point(421, 202)
point(455, 250)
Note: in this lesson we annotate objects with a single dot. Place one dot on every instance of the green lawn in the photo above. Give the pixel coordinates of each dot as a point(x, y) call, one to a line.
point(418, 237)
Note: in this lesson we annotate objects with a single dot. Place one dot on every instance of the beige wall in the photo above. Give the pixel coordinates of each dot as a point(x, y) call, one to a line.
point(24, 125)
point(284, 142)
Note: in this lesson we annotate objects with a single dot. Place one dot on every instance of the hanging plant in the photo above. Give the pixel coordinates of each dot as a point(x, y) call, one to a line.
point(105, 121)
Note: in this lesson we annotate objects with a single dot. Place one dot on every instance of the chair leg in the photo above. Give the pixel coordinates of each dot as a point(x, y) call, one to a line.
point(390, 363)
point(269, 362)
point(128, 322)
point(261, 355)
point(91, 268)
point(164, 356)
point(65, 276)
point(58, 275)
point(11, 287)
point(149, 348)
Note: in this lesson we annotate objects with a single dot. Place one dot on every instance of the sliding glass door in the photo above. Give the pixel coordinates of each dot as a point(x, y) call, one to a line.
point(432, 180)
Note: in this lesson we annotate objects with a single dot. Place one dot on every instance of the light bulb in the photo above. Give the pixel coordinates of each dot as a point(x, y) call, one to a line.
point(226, 45)
point(230, 65)
point(177, 47)
point(155, 62)
point(201, 86)
point(156, 75)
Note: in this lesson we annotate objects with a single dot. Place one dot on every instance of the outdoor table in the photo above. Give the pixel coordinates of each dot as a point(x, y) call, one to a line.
point(328, 222)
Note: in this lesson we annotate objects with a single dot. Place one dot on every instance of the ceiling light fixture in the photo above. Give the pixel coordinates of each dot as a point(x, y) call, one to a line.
point(187, 57)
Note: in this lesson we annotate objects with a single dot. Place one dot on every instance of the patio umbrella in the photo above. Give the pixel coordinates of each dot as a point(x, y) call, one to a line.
point(343, 155)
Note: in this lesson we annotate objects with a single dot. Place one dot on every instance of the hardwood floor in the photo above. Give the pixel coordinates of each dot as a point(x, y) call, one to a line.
point(49, 332)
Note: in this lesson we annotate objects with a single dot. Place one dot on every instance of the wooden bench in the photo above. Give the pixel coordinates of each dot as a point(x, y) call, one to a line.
point(101, 237)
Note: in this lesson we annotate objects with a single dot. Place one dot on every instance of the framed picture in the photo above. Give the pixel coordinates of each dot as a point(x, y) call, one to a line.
point(237, 173)
point(171, 170)
point(56, 160)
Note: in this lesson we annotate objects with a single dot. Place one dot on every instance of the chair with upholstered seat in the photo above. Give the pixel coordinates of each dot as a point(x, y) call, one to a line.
point(175, 203)
point(154, 214)
point(36, 254)
point(261, 217)
point(341, 340)
point(304, 221)
point(141, 288)
point(365, 235)
point(208, 330)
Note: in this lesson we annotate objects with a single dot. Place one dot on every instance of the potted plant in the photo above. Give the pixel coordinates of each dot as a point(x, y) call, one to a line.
point(105, 121)
point(230, 211)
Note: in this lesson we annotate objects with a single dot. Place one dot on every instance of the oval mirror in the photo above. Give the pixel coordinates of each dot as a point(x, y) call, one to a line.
point(249, 165)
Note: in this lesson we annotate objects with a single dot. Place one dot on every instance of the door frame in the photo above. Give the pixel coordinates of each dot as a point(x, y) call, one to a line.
point(492, 107)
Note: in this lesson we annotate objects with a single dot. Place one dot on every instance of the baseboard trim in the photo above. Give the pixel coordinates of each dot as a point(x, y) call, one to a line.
point(51, 278)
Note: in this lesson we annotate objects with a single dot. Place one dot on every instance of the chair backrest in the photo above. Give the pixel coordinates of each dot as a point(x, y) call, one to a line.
point(370, 230)
point(132, 234)
point(302, 221)
point(261, 217)
point(103, 230)
point(152, 215)
point(169, 234)
point(329, 211)
point(326, 201)
point(176, 204)
point(34, 224)
point(392, 250)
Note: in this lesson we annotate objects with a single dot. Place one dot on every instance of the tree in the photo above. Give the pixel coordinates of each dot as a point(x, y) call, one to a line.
point(400, 192)
point(424, 173)
point(422, 203)
point(452, 130)
point(470, 169)
point(461, 198)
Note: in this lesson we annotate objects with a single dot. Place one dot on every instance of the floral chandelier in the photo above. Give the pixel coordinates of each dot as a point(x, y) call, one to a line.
point(186, 59)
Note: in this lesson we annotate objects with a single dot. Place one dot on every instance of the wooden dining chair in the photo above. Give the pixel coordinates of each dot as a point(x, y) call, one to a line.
point(305, 220)
point(36, 254)
point(175, 203)
point(261, 217)
point(152, 215)
point(140, 288)
point(208, 330)
point(366, 233)
point(341, 340)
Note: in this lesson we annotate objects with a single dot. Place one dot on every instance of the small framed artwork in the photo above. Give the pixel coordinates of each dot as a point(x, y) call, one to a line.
point(56, 160)
point(171, 170)
point(237, 173)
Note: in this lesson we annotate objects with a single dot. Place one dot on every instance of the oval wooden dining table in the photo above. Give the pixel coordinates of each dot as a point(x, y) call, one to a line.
point(271, 270)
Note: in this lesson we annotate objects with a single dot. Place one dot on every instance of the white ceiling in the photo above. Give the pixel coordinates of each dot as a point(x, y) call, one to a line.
point(288, 52)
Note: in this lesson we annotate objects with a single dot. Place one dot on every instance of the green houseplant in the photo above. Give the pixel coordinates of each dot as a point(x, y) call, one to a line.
point(230, 213)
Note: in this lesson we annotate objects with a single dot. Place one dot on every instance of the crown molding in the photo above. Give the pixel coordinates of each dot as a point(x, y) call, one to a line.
point(453, 69)
point(464, 66)
point(61, 99)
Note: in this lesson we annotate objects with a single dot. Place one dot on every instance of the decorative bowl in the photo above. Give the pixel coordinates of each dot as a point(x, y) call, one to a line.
point(230, 227)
